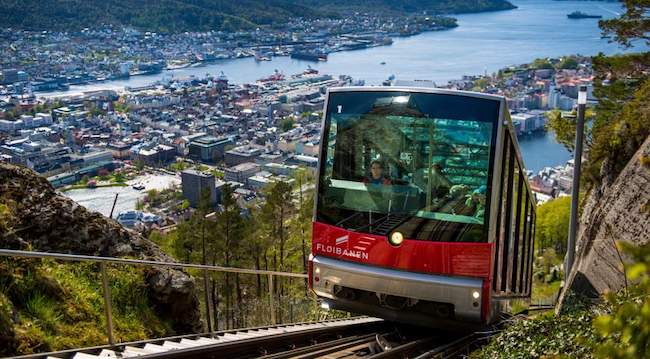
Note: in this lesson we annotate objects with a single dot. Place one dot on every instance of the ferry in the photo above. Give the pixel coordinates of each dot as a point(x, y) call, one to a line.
point(582, 15)
point(277, 76)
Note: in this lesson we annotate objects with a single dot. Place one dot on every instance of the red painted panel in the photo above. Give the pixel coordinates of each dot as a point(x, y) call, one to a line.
point(447, 258)
point(485, 304)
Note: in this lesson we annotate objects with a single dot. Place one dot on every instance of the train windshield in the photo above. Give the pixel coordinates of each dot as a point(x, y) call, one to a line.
point(419, 163)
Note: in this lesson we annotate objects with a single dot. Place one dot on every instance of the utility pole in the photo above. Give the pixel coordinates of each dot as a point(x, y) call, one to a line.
point(575, 189)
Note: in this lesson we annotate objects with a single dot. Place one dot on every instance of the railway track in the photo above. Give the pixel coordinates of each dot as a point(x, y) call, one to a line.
point(359, 337)
point(241, 343)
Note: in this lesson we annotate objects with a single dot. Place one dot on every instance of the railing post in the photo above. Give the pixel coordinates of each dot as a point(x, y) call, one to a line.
point(206, 289)
point(272, 300)
point(108, 307)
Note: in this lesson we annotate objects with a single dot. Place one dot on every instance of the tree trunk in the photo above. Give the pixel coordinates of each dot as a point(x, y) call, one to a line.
point(239, 301)
point(301, 223)
point(258, 289)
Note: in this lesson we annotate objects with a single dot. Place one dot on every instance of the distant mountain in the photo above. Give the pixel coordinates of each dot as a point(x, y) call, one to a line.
point(203, 15)
point(431, 6)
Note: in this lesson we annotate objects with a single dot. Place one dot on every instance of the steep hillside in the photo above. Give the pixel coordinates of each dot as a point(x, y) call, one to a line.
point(205, 15)
point(617, 211)
point(42, 301)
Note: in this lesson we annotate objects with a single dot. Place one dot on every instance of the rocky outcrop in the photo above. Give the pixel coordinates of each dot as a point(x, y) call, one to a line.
point(44, 220)
point(618, 210)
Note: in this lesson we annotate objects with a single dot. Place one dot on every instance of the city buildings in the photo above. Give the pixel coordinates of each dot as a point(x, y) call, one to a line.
point(195, 183)
point(208, 148)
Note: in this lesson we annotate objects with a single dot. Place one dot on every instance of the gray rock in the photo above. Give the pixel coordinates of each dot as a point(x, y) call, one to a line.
point(616, 211)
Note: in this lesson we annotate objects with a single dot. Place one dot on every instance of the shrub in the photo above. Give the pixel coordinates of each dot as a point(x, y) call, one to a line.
point(625, 332)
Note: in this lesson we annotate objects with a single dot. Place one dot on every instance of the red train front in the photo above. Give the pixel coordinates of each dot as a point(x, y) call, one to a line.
point(423, 212)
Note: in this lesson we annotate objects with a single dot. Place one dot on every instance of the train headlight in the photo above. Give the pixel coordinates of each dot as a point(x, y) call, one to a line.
point(476, 294)
point(396, 238)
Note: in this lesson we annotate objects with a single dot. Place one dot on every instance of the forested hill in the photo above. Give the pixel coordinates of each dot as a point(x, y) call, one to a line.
point(408, 6)
point(204, 15)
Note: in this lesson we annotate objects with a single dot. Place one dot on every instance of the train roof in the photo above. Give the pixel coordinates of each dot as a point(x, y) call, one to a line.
point(440, 91)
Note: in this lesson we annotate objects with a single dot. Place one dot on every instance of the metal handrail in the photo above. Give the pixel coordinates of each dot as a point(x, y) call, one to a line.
point(108, 307)
point(142, 262)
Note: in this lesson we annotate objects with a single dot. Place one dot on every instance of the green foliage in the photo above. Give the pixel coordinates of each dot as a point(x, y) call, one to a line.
point(185, 205)
point(633, 24)
point(542, 64)
point(622, 86)
point(481, 84)
point(286, 124)
point(139, 164)
point(564, 127)
point(120, 107)
point(7, 333)
point(6, 217)
point(568, 63)
point(544, 336)
point(175, 16)
point(178, 166)
point(625, 332)
point(270, 235)
point(552, 224)
point(59, 306)
point(43, 310)
point(623, 114)
point(139, 205)
point(218, 174)
point(414, 6)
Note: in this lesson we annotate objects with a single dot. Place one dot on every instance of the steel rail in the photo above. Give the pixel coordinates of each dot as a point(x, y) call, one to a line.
point(404, 350)
point(325, 348)
point(103, 261)
point(142, 262)
point(456, 346)
point(69, 352)
point(262, 345)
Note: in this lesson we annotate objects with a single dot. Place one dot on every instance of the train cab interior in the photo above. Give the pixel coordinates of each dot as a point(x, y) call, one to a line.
point(402, 162)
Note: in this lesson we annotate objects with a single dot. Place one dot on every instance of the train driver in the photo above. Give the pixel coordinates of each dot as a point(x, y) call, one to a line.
point(377, 174)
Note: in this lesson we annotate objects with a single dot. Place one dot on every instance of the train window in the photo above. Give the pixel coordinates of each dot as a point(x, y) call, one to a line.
point(525, 220)
point(529, 242)
point(531, 251)
point(507, 219)
point(414, 162)
point(517, 253)
point(499, 245)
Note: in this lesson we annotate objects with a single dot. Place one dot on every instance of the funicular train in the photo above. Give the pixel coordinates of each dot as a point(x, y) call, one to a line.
point(423, 213)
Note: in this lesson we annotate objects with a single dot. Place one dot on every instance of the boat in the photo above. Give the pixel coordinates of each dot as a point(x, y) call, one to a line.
point(277, 76)
point(91, 184)
point(582, 15)
point(309, 55)
point(262, 56)
point(310, 71)
point(389, 81)
point(383, 63)
point(178, 65)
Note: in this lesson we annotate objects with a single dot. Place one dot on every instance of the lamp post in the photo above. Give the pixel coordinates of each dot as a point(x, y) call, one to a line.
point(575, 189)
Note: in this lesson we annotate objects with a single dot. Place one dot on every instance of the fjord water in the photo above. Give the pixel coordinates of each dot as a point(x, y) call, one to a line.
point(483, 42)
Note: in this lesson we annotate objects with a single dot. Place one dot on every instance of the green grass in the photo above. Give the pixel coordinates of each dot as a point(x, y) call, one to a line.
point(544, 292)
point(60, 306)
